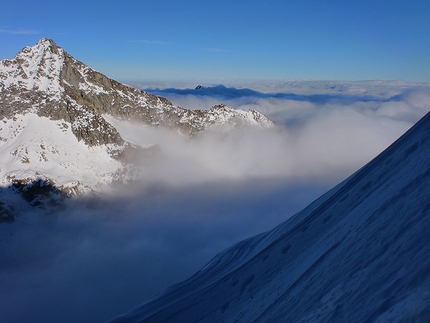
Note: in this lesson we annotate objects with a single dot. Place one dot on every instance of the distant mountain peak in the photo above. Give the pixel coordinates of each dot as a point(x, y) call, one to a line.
point(42, 46)
point(36, 67)
point(46, 44)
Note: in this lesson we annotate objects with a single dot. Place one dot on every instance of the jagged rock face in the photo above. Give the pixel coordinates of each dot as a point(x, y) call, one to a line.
point(47, 80)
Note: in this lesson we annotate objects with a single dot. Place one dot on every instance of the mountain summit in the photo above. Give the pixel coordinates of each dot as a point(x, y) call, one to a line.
point(360, 253)
point(46, 79)
point(57, 121)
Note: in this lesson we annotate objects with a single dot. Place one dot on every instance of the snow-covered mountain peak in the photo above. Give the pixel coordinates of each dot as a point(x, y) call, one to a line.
point(32, 56)
point(44, 73)
point(225, 115)
point(45, 92)
point(36, 67)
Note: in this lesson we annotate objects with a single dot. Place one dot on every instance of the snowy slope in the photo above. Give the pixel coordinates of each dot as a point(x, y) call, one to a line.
point(36, 147)
point(360, 253)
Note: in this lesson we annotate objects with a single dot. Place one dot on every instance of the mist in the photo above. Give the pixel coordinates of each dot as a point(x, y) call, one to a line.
point(101, 256)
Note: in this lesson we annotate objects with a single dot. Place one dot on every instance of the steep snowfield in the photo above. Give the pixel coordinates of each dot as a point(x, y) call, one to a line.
point(34, 147)
point(360, 253)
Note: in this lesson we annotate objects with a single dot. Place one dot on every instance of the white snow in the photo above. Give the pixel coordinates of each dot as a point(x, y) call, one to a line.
point(33, 146)
point(34, 67)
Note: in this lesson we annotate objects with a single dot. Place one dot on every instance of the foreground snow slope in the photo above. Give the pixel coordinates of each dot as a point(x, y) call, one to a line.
point(360, 253)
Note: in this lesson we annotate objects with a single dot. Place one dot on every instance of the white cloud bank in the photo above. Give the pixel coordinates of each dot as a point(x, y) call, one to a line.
point(98, 258)
point(325, 134)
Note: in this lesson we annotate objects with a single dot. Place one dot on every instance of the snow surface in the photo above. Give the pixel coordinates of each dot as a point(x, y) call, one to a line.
point(35, 147)
point(35, 67)
point(360, 253)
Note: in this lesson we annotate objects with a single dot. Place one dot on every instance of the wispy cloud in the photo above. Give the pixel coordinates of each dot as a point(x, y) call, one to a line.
point(19, 31)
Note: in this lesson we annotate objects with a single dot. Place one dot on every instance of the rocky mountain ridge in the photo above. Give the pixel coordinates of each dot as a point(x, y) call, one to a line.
point(46, 79)
point(53, 113)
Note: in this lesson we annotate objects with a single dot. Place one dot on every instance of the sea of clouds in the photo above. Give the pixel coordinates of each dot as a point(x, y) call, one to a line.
point(99, 257)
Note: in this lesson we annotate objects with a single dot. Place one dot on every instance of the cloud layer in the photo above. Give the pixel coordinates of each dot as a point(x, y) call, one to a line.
point(100, 257)
point(332, 132)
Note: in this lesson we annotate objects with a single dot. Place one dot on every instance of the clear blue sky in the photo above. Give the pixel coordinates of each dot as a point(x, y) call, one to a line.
point(234, 39)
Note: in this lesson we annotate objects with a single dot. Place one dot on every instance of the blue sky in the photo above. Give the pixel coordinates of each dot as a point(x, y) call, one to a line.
point(230, 40)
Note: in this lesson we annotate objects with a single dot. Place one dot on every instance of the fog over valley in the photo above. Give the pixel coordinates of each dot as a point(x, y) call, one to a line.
point(99, 256)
